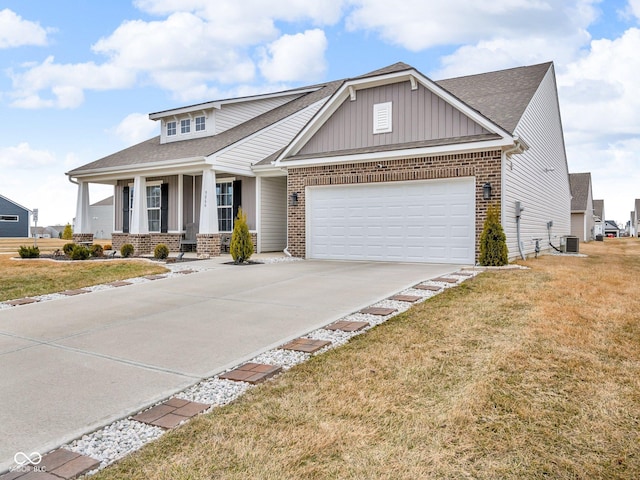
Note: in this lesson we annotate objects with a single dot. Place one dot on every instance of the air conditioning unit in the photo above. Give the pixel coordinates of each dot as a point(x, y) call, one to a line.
point(572, 244)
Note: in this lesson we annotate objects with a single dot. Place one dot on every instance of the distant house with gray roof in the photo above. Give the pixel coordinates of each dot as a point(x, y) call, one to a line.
point(582, 209)
point(598, 217)
point(388, 166)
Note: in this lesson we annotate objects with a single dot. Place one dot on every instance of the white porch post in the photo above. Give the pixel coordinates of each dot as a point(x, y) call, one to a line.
point(83, 224)
point(208, 204)
point(139, 220)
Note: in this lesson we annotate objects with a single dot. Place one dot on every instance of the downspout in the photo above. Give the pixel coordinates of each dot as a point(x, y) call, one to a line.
point(519, 210)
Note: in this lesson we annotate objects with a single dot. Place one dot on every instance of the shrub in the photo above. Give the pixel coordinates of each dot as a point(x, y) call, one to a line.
point(80, 252)
point(241, 247)
point(67, 233)
point(161, 251)
point(29, 252)
point(96, 250)
point(493, 241)
point(67, 248)
point(107, 246)
point(126, 250)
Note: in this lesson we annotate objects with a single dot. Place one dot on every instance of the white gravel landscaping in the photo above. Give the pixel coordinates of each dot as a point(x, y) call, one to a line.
point(214, 391)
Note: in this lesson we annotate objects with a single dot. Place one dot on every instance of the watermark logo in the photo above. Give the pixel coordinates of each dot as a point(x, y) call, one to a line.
point(27, 462)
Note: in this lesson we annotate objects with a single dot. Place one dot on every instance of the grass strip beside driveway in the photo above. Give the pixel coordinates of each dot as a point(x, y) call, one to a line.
point(26, 278)
point(514, 374)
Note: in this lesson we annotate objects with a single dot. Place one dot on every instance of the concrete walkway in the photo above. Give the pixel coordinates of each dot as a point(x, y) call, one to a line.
point(70, 366)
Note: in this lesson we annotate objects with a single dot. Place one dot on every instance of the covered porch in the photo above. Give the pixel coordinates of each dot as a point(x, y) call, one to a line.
point(186, 210)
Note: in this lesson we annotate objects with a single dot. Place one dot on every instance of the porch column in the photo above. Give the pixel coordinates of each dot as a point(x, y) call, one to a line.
point(139, 220)
point(83, 224)
point(208, 236)
point(208, 204)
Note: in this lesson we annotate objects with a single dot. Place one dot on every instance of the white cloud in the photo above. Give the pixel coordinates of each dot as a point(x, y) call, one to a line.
point(16, 32)
point(135, 128)
point(295, 57)
point(634, 8)
point(418, 25)
point(599, 92)
point(66, 82)
point(23, 157)
point(197, 47)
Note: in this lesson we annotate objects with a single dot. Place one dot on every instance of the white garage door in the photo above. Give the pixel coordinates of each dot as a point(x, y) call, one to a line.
point(422, 221)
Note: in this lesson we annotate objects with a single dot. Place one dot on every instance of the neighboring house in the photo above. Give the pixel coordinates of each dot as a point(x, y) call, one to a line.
point(598, 217)
point(635, 219)
point(582, 210)
point(101, 218)
point(14, 219)
point(387, 166)
point(611, 228)
point(47, 232)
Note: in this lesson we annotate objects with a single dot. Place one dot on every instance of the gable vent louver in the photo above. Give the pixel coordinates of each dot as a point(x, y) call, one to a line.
point(382, 117)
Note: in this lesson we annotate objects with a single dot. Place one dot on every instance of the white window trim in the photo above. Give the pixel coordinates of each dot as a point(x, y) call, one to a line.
point(195, 122)
point(153, 183)
point(382, 117)
point(2, 219)
point(175, 129)
point(229, 207)
point(188, 123)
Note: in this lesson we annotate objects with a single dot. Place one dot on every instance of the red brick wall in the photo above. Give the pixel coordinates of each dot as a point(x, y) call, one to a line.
point(484, 166)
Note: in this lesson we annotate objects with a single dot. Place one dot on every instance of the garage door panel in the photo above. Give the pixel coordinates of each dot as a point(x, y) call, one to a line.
point(421, 221)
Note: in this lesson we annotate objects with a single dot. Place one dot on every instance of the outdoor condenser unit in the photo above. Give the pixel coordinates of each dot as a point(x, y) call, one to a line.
point(572, 244)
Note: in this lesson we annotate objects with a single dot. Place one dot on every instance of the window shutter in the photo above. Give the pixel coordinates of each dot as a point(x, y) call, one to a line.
point(237, 197)
point(125, 209)
point(164, 207)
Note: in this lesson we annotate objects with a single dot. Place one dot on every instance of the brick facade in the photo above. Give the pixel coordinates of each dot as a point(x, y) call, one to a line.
point(82, 238)
point(208, 244)
point(484, 166)
point(145, 244)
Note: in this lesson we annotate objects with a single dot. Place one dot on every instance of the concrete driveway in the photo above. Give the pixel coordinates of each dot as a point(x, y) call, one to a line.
point(70, 366)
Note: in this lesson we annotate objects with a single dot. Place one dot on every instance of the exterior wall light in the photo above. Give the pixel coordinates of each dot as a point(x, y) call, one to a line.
point(293, 199)
point(486, 191)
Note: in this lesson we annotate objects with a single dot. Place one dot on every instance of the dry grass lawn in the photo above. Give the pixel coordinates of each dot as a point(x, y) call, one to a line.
point(514, 374)
point(29, 277)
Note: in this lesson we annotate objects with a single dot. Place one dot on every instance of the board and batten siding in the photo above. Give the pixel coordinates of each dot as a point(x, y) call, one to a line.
point(234, 114)
point(273, 214)
point(241, 156)
point(417, 115)
point(538, 178)
point(10, 228)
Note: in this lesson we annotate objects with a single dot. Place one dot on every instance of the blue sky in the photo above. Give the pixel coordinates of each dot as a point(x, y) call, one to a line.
point(78, 77)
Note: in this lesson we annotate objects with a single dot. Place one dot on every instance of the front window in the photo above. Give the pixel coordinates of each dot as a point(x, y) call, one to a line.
point(153, 207)
point(200, 124)
point(224, 192)
point(185, 126)
point(8, 218)
point(171, 128)
point(154, 202)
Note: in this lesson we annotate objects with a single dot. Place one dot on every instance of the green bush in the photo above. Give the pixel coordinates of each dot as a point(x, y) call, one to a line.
point(29, 252)
point(161, 251)
point(127, 250)
point(67, 248)
point(241, 247)
point(67, 233)
point(96, 250)
point(493, 241)
point(80, 252)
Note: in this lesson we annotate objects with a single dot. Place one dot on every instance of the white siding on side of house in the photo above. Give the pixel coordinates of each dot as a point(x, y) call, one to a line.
point(272, 236)
point(538, 178)
point(241, 156)
point(234, 114)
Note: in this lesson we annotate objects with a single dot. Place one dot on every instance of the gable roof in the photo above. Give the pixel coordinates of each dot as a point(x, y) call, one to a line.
point(151, 151)
point(598, 209)
point(580, 184)
point(15, 203)
point(502, 96)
